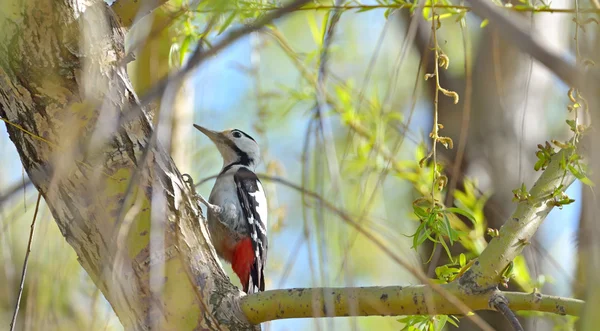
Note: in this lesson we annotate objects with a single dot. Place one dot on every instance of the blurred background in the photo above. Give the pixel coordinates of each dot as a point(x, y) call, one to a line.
point(360, 150)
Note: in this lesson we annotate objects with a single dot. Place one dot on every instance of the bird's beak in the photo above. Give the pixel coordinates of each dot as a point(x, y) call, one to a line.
point(213, 135)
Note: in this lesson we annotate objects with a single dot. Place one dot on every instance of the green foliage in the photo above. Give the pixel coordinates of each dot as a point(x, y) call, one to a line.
point(521, 194)
point(544, 155)
point(449, 272)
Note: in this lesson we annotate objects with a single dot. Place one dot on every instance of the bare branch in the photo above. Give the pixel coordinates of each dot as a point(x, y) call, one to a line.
point(514, 29)
point(389, 301)
point(549, 303)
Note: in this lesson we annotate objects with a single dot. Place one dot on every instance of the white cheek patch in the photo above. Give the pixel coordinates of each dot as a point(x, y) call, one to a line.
point(262, 209)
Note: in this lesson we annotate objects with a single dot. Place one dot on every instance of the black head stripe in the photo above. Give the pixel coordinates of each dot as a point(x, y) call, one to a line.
point(244, 158)
point(245, 134)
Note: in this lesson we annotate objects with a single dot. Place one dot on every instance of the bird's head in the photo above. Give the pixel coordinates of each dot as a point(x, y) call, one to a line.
point(234, 145)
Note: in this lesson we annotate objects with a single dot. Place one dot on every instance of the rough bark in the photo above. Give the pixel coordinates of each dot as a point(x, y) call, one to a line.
point(63, 87)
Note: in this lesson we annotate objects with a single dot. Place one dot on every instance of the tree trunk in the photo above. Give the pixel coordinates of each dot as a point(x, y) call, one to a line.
point(63, 93)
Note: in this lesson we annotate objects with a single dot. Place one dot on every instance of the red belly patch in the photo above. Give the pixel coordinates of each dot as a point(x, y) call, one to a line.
point(242, 261)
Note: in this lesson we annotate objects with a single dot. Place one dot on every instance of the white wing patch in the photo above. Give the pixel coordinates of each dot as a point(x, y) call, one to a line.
point(262, 208)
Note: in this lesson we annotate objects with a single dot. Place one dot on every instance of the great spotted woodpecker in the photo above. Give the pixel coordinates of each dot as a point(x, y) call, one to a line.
point(237, 208)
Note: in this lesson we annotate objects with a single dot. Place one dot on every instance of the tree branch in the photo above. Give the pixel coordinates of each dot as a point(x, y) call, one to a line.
point(518, 230)
point(540, 302)
point(389, 301)
point(13, 323)
point(514, 29)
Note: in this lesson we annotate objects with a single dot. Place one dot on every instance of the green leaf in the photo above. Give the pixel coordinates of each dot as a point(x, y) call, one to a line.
point(185, 45)
point(324, 26)
point(442, 319)
point(420, 212)
point(580, 175)
point(388, 12)
point(463, 213)
point(314, 29)
point(573, 125)
point(227, 22)
point(453, 320)
point(447, 249)
point(449, 230)
point(364, 9)
point(462, 260)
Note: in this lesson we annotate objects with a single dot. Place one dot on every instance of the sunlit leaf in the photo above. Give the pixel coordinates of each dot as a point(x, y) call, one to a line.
point(227, 22)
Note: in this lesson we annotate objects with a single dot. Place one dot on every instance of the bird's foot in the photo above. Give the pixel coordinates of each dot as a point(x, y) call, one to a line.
point(213, 208)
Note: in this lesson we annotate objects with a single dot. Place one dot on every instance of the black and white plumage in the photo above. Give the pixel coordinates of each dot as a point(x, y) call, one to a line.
point(237, 208)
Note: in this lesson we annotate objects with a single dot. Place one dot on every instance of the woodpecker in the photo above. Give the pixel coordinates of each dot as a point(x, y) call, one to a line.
point(237, 208)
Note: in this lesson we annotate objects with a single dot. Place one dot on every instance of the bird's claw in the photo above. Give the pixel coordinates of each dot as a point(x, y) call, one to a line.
point(213, 208)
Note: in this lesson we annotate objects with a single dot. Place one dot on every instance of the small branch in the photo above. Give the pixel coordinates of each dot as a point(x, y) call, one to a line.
point(25, 263)
point(540, 302)
point(321, 105)
point(513, 28)
point(518, 230)
point(390, 301)
point(500, 303)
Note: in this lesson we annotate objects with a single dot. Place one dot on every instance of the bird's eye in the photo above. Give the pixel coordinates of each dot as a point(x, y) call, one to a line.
point(236, 134)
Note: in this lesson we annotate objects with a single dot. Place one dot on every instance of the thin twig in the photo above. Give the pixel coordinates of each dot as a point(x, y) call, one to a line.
point(326, 134)
point(24, 272)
